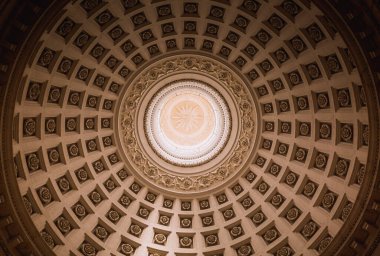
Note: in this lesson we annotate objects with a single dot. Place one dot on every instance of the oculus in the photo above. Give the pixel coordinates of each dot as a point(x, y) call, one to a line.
point(187, 123)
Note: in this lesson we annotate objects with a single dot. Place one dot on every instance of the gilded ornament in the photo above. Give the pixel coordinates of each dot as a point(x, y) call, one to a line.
point(113, 215)
point(324, 243)
point(211, 240)
point(186, 241)
point(83, 73)
point(295, 78)
point(74, 98)
point(64, 67)
point(95, 197)
point(104, 17)
point(277, 22)
point(33, 162)
point(160, 238)
point(263, 187)
point(328, 200)
point(247, 202)
point(28, 205)
point(48, 239)
point(127, 249)
point(143, 213)
point(190, 8)
point(301, 154)
point(237, 189)
point(284, 251)
point(46, 57)
point(63, 225)
point(123, 174)
point(343, 98)
point(291, 179)
point(29, 127)
point(88, 249)
point(321, 161)
point(258, 218)
point(125, 200)
point(322, 100)
point(236, 231)
point(341, 167)
point(304, 129)
point(251, 5)
point(346, 211)
point(82, 175)
point(101, 232)
point(34, 91)
point(50, 125)
point(71, 124)
point(53, 155)
point(250, 176)
point(228, 214)
point(168, 203)
point(45, 195)
point(207, 221)
point(309, 229)
point(164, 220)
point(79, 210)
point(245, 250)
point(291, 7)
point(309, 189)
point(270, 235)
point(277, 200)
point(98, 166)
point(135, 230)
point(346, 133)
point(186, 223)
point(293, 214)
point(73, 150)
point(63, 184)
point(82, 39)
point(325, 131)
point(89, 123)
point(313, 71)
point(315, 33)
point(186, 206)
point(110, 184)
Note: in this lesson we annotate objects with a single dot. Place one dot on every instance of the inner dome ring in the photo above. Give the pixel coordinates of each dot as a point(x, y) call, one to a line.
point(228, 162)
point(187, 122)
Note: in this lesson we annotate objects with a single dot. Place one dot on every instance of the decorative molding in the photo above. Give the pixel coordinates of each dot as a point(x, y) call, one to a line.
point(160, 176)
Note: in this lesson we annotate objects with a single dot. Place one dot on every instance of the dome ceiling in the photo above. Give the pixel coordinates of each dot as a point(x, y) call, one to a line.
point(191, 128)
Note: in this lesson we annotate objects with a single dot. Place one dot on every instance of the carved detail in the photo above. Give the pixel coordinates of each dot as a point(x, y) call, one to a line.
point(179, 182)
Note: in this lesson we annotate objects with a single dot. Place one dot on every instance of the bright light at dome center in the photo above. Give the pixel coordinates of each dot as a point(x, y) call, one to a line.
point(187, 123)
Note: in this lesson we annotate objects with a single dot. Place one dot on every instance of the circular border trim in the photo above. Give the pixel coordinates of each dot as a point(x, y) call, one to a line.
point(241, 150)
point(223, 119)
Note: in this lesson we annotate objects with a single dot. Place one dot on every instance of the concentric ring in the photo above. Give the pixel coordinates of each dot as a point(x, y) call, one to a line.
point(187, 123)
point(223, 148)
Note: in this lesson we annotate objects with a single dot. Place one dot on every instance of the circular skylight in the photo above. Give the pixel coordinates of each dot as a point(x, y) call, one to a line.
point(187, 123)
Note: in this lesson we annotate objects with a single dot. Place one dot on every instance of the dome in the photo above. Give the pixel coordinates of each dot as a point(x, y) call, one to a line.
point(189, 128)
